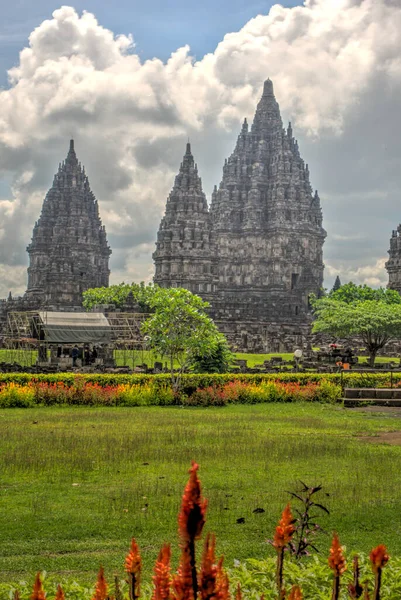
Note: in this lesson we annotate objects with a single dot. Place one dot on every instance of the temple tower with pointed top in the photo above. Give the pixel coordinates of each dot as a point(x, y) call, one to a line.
point(69, 252)
point(393, 265)
point(267, 223)
point(337, 284)
point(185, 254)
point(256, 255)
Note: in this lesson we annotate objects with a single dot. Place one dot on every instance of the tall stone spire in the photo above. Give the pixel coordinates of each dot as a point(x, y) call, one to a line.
point(185, 254)
point(267, 121)
point(337, 284)
point(393, 265)
point(268, 223)
point(69, 252)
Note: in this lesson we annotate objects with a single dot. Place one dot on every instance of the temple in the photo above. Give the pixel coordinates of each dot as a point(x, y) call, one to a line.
point(69, 252)
point(393, 265)
point(256, 255)
point(185, 253)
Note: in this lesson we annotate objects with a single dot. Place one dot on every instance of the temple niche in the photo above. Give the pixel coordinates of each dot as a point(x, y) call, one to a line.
point(264, 231)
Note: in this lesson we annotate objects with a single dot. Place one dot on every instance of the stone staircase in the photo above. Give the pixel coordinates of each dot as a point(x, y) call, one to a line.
point(372, 396)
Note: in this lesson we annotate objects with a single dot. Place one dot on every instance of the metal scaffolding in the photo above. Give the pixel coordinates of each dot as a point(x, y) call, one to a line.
point(28, 343)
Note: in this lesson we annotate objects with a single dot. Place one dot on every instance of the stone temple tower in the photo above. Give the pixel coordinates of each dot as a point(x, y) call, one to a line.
point(257, 254)
point(185, 254)
point(393, 265)
point(69, 252)
point(267, 223)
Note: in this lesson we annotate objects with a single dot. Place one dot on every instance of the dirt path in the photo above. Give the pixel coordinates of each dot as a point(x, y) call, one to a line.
point(387, 437)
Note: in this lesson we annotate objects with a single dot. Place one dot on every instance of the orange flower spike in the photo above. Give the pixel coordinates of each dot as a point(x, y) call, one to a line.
point(336, 557)
point(133, 562)
point(295, 593)
point(162, 575)
point(379, 557)
point(182, 582)
point(285, 529)
point(60, 593)
point(133, 566)
point(101, 586)
point(193, 508)
point(222, 583)
point(238, 592)
point(38, 593)
point(208, 573)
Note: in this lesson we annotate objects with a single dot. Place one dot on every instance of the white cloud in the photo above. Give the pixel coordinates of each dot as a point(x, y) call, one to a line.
point(336, 74)
point(373, 274)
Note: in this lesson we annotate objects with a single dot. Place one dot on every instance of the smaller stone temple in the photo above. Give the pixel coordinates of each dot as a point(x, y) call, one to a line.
point(69, 252)
point(185, 254)
point(393, 265)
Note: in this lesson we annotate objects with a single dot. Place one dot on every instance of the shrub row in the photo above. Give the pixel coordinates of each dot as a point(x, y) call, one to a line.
point(86, 393)
point(192, 381)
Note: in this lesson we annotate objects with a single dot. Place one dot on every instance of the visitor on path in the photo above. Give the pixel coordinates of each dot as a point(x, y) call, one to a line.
point(75, 354)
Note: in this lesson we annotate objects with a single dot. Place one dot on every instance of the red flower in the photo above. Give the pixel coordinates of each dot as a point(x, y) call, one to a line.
point(162, 576)
point(38, 592)
point(182, 582)
point(222, 583)
point(336, 557)
point(284, 529)
point(59, 594)
point(379, 557)
point(133, 563)
point(193, 508)
point(133, 566)
point(101, 586)
point(295, 593)
point(208, 573)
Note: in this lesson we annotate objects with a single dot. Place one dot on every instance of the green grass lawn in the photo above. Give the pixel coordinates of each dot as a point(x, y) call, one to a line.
point(77, 483)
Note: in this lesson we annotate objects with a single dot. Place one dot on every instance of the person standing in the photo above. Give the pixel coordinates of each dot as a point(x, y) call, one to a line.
point(75, 354)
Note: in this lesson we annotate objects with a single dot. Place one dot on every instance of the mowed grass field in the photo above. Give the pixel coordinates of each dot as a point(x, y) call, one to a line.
point(76, 483)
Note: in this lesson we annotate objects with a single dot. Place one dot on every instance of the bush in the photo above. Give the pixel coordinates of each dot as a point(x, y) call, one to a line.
point(13, 395)
point(239, 392)
point(24, 390)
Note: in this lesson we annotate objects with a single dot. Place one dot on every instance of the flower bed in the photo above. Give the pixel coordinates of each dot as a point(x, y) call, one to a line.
point(80, 391)
point(24, 390)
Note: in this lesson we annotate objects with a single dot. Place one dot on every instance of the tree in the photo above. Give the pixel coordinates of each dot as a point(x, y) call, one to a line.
point(350, 292)
point(218, 361)
point(118, 295)
point(180, 330)
point(376, 322)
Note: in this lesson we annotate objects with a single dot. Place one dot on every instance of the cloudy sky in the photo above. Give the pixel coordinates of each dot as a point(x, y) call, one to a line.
point(131, 81)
